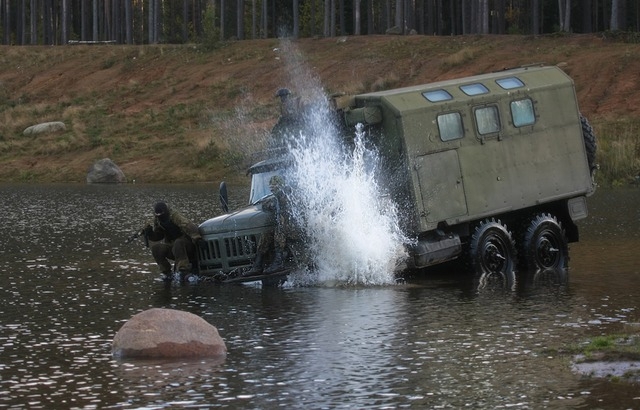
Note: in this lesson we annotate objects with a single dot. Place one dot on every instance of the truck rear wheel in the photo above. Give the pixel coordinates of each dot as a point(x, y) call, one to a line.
point(492, 254)
point(545, 245)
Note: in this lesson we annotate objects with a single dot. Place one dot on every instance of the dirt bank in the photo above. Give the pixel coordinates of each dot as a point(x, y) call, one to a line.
point(171, 113)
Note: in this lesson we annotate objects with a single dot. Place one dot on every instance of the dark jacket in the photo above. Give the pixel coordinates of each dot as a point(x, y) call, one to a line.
point(172, 228)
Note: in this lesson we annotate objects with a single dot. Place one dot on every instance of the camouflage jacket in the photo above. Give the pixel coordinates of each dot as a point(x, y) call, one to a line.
point(177, 226)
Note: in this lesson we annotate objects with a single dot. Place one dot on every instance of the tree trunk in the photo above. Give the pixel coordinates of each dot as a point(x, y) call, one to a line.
point(128, 16)
point(296, 19)
point(265, 19)
point(333, 18)
point(484, 23)
point(240, 19)
point(429, 28)
point(222, 18)
point(356, 17)
point(400, 15)
point(387, 15)
point(6, 12)
point(343, 26)
point(95, 20)
point(46, 23)
point(254, 19)
point(313, 18)
point(33, 21)
point(564, 9)
point(370, 25)
point(23, 23)
point(409, 16)
point(327, 18)
point(536, 17)
point(151, 24)
point(500, 17)
point(615, 15)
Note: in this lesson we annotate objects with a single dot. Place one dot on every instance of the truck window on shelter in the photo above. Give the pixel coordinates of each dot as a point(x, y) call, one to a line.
point(487, 119)
point(510, 83)
point(474, 89)
point(437, 95)
point(450, 126)
point(522, 113)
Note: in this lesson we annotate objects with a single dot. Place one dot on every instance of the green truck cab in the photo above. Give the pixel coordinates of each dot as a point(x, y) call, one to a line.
point(495, 168)
point(230, 241)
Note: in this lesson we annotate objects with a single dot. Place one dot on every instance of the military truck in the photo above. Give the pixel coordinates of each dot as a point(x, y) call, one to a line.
point(495, 168)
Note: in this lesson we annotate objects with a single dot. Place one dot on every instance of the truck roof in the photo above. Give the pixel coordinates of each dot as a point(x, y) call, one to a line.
point(270, 164)
point(508, 81)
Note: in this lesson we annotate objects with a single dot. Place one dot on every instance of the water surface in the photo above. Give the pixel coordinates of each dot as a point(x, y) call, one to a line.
point(70, 282)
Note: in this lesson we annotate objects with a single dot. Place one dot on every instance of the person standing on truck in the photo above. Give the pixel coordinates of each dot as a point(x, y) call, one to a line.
point(175, 237)
point(290, 121)
point(278, 204)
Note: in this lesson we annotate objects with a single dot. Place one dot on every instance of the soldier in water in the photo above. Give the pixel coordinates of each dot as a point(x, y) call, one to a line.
point(176, 236)
point(279, 206)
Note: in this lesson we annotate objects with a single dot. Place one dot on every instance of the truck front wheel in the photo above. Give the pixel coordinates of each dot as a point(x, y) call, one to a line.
point(492, 254)
point(545, 245)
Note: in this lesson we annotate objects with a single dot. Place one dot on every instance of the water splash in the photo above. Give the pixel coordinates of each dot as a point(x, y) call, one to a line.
point(351, 226)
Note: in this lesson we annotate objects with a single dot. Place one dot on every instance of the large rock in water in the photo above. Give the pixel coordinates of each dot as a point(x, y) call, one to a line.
point(167, 333)
point(105, 171)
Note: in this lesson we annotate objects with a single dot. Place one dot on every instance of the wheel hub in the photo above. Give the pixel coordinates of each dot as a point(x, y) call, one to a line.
point(494, 260)
point(547, 253)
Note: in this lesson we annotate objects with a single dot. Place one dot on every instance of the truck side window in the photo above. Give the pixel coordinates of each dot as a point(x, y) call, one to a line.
point(437, 95)
point(522, 112)
point(487, 119)
point(474, 89)
point(510, 83)
point(450, 126)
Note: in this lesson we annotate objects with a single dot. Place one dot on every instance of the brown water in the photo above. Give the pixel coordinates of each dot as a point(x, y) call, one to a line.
point(69, 283)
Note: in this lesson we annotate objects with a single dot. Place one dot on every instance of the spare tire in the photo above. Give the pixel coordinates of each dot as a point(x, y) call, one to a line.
point(590, 144)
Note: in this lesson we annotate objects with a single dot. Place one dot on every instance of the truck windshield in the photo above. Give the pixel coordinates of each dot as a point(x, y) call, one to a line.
point(260, 185)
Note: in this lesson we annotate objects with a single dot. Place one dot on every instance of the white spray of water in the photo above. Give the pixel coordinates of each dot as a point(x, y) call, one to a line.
point(352, 229)
point(351, 226)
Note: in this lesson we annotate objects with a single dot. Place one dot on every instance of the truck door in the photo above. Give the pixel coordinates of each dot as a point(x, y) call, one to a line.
point(441, 186)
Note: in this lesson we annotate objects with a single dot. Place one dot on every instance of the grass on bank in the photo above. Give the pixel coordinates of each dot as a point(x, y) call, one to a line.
point(618, 350)
point(193, 140)
point(618, 151)
point(193, 136)
point(200, 137)
point(609, 348)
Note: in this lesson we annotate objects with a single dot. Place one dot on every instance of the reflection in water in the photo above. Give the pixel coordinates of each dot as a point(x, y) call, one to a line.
point(69, 284)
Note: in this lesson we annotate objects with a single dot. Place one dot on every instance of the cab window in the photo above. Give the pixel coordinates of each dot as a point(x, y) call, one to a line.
point(260, 185)
point(522, 113)
point(487, 119)
point(450, 126)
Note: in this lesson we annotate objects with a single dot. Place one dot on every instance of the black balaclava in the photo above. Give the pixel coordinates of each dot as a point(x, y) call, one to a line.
point(162, 211)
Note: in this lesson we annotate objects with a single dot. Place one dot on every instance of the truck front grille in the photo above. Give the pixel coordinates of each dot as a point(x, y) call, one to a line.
point(226, 253)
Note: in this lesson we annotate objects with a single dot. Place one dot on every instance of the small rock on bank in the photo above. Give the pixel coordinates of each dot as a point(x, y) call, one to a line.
point(167, 333)
point(45, 128)
point(105, 171)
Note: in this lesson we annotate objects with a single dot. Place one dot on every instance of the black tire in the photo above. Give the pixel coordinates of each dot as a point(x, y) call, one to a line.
point(544, 245)
point(590, 143)
point(492, 255)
